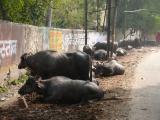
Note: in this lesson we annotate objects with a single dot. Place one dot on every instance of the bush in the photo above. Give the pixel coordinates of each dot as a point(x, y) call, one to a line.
point(3, 89)
point(21, 79)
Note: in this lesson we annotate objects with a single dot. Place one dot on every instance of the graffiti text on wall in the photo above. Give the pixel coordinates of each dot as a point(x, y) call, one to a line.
point(73, 41)
point(55, 40)
point(7, 48)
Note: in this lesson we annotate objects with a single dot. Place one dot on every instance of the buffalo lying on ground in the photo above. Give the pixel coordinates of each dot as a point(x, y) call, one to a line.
point(108, 69)
point(136, 43)
point(121, 52)
point(100, 54)
point(75, 65)
point(105, 46)
point(61, 89)
point(87, 50)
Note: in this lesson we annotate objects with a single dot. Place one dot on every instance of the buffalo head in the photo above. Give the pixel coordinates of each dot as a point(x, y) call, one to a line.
point(23, 62)
point(33, 84)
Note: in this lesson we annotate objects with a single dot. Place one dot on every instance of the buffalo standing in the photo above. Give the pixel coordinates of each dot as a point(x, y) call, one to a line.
point(75, 65)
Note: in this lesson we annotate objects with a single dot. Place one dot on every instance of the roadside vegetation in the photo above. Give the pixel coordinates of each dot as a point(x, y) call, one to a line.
point(70, 14)
point(3, 89)
point(20, 80)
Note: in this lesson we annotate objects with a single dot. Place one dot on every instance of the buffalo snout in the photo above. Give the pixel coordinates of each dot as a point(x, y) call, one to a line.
point(28, 87)
point(20, 66)
point(21, 91)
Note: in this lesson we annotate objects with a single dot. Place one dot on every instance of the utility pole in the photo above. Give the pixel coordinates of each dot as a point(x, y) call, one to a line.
point(97, 27)
point(105, 14)
point(49, 16)
point(124, 26)
point(108, 27)
point(114, 24)
point(85, 19)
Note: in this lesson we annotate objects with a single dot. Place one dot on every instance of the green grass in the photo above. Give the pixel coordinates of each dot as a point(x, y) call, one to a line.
point(3, 89)
point(20, 80)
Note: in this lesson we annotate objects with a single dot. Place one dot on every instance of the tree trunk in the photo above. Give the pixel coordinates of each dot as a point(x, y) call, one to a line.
point(114, 25)
point(3, 11)
point(49, 16)
point(97, 27)
point(108, 28)
point(85, 19)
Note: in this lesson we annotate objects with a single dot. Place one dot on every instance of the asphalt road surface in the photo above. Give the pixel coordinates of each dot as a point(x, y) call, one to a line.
point(145, 94)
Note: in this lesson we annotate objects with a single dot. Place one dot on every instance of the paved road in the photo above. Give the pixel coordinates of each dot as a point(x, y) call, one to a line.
point(145, 103)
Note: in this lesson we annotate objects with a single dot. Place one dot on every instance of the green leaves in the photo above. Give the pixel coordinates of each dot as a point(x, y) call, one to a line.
point(146, 20)
point(23, 11)
point(3, 89)
point(66, 13)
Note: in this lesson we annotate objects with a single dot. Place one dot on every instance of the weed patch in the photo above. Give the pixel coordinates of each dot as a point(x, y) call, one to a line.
point(20, 80)
point(3, 89)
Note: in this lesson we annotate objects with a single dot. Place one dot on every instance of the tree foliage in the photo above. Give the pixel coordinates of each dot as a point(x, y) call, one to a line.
point(66, 13)
point(146, 20)
point(70, 14)
point(23, 11)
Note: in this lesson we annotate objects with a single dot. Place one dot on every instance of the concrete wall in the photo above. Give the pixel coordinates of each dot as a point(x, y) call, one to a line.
point(71, 40)
point(16, 39)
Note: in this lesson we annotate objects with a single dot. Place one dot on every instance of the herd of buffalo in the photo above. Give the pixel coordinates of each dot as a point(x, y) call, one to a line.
point(67, 77)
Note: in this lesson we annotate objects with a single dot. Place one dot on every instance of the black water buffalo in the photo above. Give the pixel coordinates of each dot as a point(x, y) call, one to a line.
point(87, 50)
point(136, 43)
point(75, 65)
point(61, 89)
point(100, 45)
point(104, 46)
point(100, 54)
point(109, 69)
point(121, 52)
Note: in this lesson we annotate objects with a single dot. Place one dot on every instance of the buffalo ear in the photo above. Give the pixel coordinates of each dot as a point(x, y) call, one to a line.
point(93, 68)
point(26, 55)
point(30, 53)
point(97, 63)
point(40, 84)
point(38, 78)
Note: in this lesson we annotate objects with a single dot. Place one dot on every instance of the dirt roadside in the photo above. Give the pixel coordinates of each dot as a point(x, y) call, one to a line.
point(113, 107)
